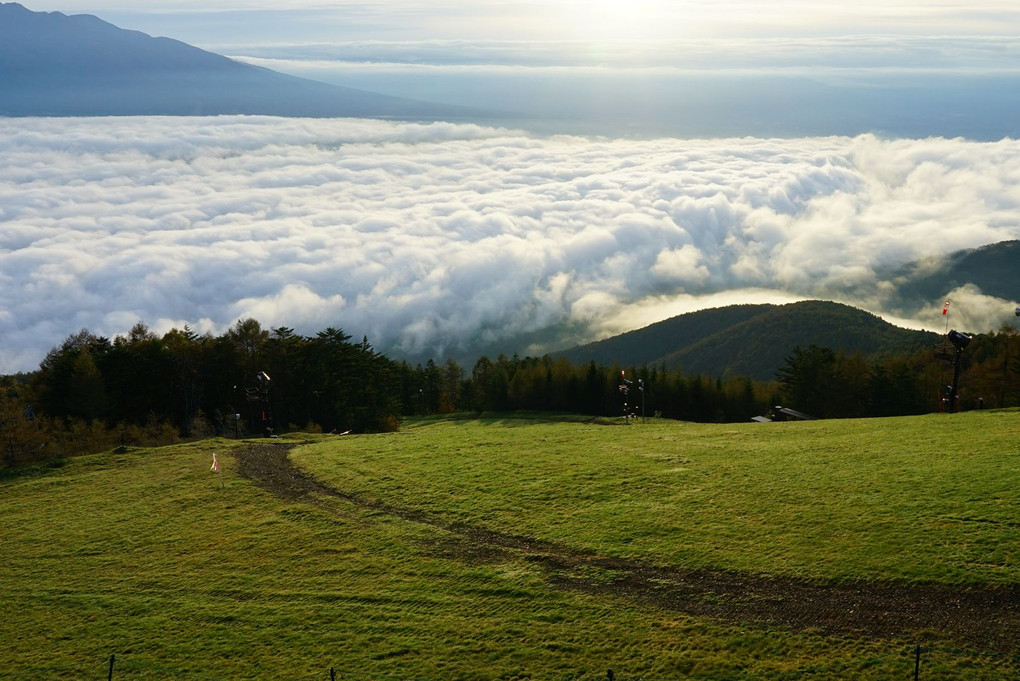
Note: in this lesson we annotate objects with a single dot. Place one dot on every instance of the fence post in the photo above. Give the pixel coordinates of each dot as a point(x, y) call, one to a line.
point(112, 658)
point(917, 663)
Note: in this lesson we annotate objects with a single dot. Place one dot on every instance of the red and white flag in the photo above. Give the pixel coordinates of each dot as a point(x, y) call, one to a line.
point(215, 464)
point(945, 309)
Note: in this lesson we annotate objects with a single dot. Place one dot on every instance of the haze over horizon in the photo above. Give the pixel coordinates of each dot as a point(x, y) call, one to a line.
point(645, 68)
point(441, 238)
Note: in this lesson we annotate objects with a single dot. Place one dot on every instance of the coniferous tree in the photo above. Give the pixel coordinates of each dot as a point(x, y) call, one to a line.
point(807, 379)
point(183, 346)
point(86, 391)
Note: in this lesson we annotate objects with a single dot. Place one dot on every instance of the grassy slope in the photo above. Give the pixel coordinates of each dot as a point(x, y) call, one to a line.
point(926, 499)
point(145, 554)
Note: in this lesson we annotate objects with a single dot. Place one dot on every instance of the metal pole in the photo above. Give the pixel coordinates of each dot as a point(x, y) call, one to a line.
point(954, 398)
point(917, 663)
point(1005, 377)
point(112, 658)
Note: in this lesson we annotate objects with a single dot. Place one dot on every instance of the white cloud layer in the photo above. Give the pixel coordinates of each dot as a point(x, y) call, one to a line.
point(438, 238)
point(831, 56)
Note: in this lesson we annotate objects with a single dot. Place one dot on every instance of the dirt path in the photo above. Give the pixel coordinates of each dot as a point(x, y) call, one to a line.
point(986, 618)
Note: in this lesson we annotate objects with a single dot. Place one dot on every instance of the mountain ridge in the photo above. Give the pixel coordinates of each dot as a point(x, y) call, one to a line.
point(992, 268)
point(757, 341)
point(754, 340)
point(54, 64)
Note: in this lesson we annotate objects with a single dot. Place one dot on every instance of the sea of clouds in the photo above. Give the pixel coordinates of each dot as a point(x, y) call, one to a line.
point(436, 239)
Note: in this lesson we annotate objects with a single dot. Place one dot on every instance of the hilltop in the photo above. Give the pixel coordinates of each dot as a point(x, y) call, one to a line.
point(750, 340)
point(754, 340)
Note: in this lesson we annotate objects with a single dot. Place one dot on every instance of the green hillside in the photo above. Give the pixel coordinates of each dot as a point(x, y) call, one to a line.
point(751, 340)
point(649, 345)
point(511, 548)
point(993, 268)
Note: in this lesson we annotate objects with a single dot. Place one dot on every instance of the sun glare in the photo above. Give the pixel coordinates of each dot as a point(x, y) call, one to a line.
point(652, 20)
point(621, 20)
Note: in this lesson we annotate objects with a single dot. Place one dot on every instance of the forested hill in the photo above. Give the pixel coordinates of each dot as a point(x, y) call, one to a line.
point(651, 344)
point(992, 268)
point(750, 340)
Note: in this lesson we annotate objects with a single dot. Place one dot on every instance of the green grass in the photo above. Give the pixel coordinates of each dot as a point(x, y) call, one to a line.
point(930, 499)
point(144, 554)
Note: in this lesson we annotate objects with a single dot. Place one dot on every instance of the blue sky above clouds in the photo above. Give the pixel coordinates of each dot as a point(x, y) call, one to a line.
point(609, 32)
point(636, 20)
point(717, 153)
point(615, 67)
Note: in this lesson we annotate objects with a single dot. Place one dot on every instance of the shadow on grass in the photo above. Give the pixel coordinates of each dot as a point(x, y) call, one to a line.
point(985, 617)
point(31, 470)
point(512, 418)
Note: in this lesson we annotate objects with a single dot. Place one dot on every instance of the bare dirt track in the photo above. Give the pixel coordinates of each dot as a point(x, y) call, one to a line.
point(986, 618)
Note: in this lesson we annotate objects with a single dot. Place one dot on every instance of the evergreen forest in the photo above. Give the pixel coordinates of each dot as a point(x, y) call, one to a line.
point(92, 393)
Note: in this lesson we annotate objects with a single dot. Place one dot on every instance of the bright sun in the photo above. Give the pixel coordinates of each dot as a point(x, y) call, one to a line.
point(623, 20)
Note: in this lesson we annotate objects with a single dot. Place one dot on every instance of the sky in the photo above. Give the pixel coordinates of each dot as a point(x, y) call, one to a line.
point(628, 20)
point(637, 67)
point(690, 154)
point(794, 35)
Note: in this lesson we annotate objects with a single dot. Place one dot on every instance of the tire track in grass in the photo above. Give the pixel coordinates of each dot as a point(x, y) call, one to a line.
point(987, 618)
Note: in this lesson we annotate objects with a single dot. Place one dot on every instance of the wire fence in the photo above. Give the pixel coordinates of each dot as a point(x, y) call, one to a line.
point(915, 663)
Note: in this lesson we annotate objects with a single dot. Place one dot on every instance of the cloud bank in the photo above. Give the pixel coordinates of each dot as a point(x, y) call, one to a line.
point(911, 86)
point(835, 55)
point(440, 239)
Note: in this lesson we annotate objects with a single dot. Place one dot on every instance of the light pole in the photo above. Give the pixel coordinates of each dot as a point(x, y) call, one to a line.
point(263, 381)
point(1005, 364)
point(959, 341)
point(625, 391)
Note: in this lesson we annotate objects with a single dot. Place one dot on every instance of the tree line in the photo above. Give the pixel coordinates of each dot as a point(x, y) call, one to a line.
point(92, 393)
point(833, 384)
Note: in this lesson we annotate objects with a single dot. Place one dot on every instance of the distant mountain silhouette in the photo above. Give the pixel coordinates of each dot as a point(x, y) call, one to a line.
point(995, 269)
point(750, 340)
point(52, 64)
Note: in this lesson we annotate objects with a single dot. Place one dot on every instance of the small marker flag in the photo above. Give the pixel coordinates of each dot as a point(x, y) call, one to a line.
point(945, 308)
point(215, 464)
